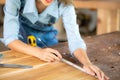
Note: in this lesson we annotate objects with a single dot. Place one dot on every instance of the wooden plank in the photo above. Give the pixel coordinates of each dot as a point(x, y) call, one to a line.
point(118, 21)
point(114, 4)
point(40, 71)
point(108, 13)
point(101, 26)
point(2, 1)
point(109, 21)
point(97, 4)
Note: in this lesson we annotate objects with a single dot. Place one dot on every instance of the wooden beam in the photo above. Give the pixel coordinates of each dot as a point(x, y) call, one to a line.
point(109, 21)
point(108, 13)
point(2, 2)
point(92, 4)
point(97, 4)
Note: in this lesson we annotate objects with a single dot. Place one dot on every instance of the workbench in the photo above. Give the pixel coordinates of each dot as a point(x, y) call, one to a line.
point(103, 51)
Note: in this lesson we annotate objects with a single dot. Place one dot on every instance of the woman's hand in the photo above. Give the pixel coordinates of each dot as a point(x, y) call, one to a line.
point(48, 54)
point(45, 54)
point(95, 71)
point(91, 69)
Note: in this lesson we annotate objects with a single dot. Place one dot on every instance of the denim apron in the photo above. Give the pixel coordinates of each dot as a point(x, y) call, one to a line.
point(45, 33)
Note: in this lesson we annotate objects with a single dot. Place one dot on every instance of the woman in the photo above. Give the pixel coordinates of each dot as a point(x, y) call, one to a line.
point(36, 17)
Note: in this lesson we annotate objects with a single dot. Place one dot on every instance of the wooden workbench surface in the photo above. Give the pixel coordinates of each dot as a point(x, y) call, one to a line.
point(40, 71)
point(103, 50)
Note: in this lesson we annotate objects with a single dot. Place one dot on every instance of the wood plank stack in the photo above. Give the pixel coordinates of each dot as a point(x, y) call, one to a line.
point(2, 1)
point(108, 13)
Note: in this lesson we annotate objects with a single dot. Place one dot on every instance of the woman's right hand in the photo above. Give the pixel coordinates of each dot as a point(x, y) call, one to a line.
point(48, 54)
point(45, 54)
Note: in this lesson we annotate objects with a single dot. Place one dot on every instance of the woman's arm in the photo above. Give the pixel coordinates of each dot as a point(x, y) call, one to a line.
point(11, 23)
point(43, 54)
point(91, 69)
point(81, 55)
point(77, 45)
point(11, 30)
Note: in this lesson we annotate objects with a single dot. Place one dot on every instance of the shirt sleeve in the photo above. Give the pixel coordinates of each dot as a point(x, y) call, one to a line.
point(74, 38)
point(11, 23)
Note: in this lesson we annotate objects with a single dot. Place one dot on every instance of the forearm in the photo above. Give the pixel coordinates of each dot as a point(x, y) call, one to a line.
point(21, 47)
point(81, 55)
point(44, 54)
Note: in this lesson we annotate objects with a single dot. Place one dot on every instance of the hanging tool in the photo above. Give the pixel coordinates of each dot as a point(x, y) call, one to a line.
point(32, 42)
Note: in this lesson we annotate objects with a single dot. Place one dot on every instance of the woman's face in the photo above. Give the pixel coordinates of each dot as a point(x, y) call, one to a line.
point(46, 2)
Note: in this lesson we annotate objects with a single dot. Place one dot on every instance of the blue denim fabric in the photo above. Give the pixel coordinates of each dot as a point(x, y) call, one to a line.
point(11, 23)
point(43, 32)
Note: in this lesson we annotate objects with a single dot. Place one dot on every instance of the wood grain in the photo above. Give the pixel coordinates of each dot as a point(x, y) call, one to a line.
point(105, 55)
point(2, 1)
point(109, 21)
point(40, 71)
point(97, 4)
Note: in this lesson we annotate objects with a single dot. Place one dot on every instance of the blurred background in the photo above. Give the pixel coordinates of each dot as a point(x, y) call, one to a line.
point(94, 17)
point(86, 20)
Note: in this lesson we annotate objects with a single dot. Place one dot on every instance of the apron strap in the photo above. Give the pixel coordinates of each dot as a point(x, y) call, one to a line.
point(59, 3)
point(52, 19)
point(22, 6)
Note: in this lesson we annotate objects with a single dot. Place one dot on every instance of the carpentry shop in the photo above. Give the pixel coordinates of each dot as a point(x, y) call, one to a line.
point(59, 39)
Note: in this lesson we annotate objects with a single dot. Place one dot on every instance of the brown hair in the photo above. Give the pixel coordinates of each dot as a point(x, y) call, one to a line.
point(66, 2)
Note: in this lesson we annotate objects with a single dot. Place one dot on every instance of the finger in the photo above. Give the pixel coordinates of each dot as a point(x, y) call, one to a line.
point(46, 60)
point(54, 57)
point(97, 71)
point(51, 59)
point(102, 75)
point(106, 77)
point(89, 71)
point(59, 55)
point(56, 53)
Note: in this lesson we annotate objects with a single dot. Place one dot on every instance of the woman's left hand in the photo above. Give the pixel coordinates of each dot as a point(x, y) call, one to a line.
point(95, 71)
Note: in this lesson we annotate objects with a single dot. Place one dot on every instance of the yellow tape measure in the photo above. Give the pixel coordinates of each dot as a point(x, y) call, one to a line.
point(32, 40)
